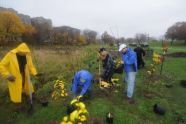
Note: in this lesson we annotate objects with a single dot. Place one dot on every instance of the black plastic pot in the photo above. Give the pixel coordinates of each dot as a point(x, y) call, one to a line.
point(109, 118)
point(44, 103)
point(183, 83)
point(159, 110)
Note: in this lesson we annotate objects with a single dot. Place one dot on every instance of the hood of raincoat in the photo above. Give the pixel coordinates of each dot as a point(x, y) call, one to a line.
point(21, 48)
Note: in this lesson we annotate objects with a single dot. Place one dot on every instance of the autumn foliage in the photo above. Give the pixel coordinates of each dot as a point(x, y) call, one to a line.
point(11, 27)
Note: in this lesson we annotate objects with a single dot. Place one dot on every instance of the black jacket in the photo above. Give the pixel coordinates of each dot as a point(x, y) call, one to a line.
point(108, 67)
point(140, 52)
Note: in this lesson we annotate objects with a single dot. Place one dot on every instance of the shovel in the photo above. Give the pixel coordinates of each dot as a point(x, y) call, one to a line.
point(31, 108)
point(99, 71)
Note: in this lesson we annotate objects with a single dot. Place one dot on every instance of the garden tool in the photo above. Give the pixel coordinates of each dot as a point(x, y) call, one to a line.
point(30, 110)
point(99, 71)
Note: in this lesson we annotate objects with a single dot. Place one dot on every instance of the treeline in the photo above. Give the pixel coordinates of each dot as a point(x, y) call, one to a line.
point(15, 27)
point(19, 27)
point(177, 32)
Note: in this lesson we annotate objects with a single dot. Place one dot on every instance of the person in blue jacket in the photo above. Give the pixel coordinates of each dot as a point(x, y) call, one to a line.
point(129, 59)
point(81, 83)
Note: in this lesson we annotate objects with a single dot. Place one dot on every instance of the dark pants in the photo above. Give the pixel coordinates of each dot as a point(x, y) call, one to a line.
point(107, 78)
point(140, 62)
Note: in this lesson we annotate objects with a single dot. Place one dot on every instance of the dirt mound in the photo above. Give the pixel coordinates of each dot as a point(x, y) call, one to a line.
point(177, 54)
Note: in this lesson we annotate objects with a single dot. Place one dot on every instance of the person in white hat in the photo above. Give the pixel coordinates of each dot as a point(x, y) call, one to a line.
point(129, 59)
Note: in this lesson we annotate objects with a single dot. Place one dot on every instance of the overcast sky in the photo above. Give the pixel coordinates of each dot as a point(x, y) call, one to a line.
point(118, 17)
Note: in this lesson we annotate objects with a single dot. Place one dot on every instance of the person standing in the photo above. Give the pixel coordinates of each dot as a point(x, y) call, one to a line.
point(16, 67)
point(129, 59)
point(140, 56)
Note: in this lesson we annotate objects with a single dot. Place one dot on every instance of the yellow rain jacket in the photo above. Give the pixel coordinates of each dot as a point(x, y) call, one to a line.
point(9, 65)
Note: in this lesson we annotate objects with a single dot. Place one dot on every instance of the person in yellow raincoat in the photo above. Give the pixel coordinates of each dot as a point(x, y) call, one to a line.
point(16, 68)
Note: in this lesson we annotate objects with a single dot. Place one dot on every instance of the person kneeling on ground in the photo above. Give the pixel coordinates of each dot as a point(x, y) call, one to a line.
point(129, 59)
point(16, 68)
point(81, 84)
point(108, 65)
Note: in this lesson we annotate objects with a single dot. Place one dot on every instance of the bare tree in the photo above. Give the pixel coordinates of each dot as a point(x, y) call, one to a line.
point(64, 35)
point(43, 27)
point(90, 35)
point(107, 38)
point(141, 38)
point(177, 32)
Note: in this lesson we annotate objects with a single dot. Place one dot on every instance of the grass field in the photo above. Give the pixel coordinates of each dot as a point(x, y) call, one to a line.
point(66, 60)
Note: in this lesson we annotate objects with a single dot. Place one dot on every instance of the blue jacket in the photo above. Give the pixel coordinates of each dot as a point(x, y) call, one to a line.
point(82, 74)
point(130, 61)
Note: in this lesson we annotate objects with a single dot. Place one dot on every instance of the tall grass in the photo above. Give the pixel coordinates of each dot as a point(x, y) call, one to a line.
point(64, 61)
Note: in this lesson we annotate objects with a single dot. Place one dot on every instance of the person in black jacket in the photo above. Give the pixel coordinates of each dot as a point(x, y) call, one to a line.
point(108, 65)
point(140, 55)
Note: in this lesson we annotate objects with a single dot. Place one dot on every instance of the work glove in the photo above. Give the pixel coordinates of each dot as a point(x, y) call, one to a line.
point(79, 97)
point(11, 78)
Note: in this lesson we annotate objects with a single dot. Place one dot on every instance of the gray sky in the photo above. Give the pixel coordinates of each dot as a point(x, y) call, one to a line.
point(118, 17)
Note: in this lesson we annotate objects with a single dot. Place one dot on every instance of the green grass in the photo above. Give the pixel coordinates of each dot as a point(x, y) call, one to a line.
point(55, 63)
point(178, 47)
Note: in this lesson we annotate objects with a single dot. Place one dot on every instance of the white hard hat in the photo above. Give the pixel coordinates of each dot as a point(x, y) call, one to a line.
point(122, 46)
